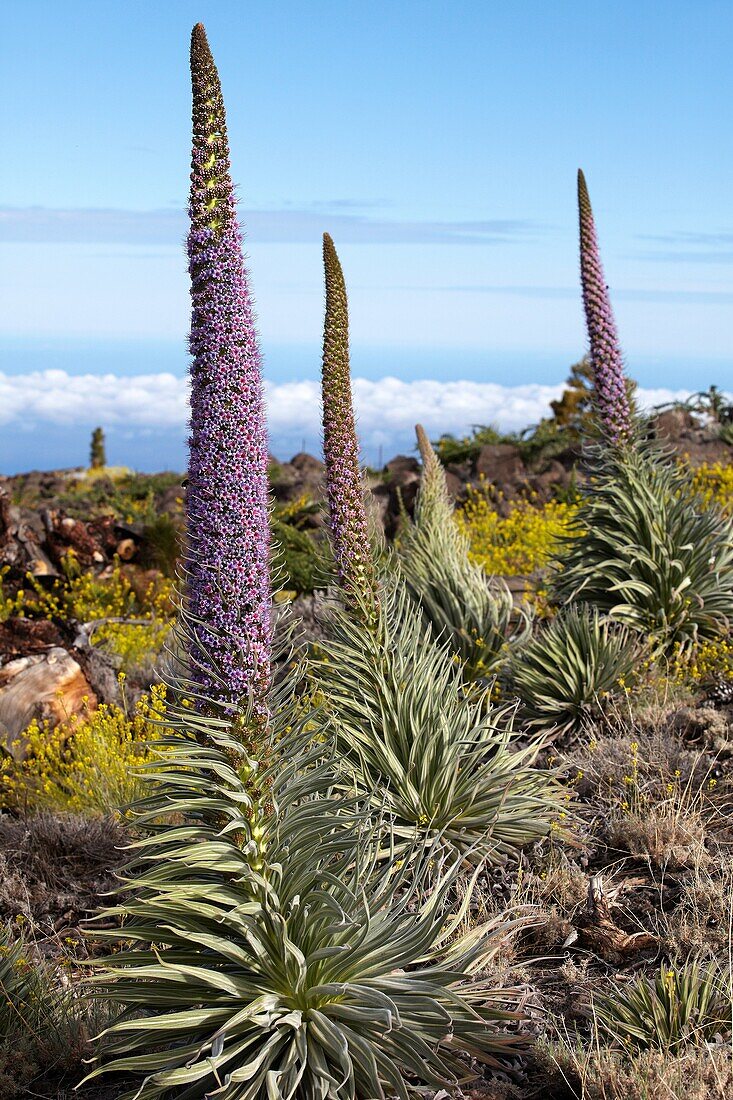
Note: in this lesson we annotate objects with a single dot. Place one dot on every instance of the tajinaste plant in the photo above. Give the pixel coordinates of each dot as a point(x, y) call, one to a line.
point(228, 548)
point(467, 610)
point(347, 513)
point(611, 393)
point(434, 504)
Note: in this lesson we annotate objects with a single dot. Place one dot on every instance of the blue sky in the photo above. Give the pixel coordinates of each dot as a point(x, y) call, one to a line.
point(437, 142)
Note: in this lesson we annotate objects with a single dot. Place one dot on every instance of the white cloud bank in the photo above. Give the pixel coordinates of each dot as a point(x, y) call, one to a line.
point(387, 408)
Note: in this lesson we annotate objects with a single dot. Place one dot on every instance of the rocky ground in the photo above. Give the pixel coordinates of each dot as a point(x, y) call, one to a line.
point(136, 520)
point(639, 871)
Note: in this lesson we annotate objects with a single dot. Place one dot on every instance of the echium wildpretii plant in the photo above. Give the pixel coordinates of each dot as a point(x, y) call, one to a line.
point(611, 395)
point(348, 521)
point(300, 964)
point(327, 974)
point(468, 611)
point(227, 503)
point(433, 504)
point(643, 549)
point(286, 958)
point(446, 765)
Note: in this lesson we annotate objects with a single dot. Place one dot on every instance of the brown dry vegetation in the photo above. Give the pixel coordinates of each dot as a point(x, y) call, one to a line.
point(647, 827)
point(637, 872)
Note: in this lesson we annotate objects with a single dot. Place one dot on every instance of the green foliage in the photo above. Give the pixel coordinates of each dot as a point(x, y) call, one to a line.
point(163, 543)
point(538, 444)
point(647, 553)
point(571, 669)
point(572, 415)
point(574, 407)
point(472, 615)
point(97, 451)
point(680, 1007)
point(127, 496)
point(545, 441)
point(452, 450)
point(571, 422)
point(711, 404)
point(409, 738)
point(44, 1025)
point(271, 952)
point(297, 557)
point(27, 995)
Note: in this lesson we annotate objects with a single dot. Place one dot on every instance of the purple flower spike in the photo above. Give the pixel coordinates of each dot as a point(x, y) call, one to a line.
point(611, 392)
point(347, 514)
point(229, 594)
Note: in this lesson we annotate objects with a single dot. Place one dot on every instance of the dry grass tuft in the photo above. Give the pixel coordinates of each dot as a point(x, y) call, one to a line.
point(668, 834)
point(574, 1071)
point(55, 868)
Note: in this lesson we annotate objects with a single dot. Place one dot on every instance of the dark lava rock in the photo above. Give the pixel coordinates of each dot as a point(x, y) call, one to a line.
point(501, 463)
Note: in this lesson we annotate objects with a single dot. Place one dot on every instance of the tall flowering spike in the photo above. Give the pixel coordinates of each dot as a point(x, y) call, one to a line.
point(430, 461)
point(433, 502)
point(228, 552)
point(611, 393)
point(347, 514)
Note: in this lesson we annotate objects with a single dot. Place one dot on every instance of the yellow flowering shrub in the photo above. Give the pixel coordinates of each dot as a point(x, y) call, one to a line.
point(711, 660)
point(713, 482)
point(133, 643)
point(296, 510)
point(519, 543)
point(7, 604)
point(85, 597)
point(87, 764)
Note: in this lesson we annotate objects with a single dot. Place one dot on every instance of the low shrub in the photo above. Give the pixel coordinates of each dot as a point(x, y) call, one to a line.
point(639, 762)
point(450, 449)
point(684, 1005)
point(572, 669)
point(128, 496)
point(603, 1073)
point(131, 624)
point(45, 1026)
point(442, 762)
point(85, 597)
point(707, 664)
point(54, 865)
point(712, 483)
point(647, 552)
point(136, 645)
point(524, 541)
point(87, 764)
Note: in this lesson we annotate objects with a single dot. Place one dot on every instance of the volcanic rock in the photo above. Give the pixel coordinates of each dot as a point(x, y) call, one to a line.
point(47, 686)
